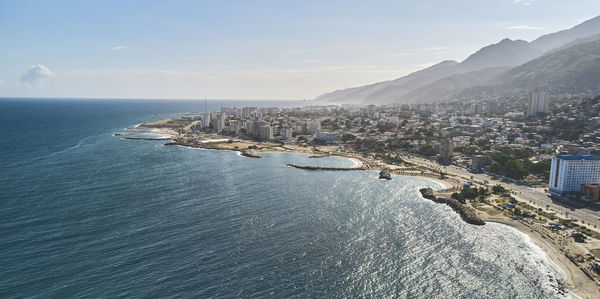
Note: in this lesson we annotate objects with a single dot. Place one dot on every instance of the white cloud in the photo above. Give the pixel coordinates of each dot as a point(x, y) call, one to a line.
point(34, 75)
point(312, 60)
point(2, 84)
point(117, 48)
point(524, 27)
point(523, 2)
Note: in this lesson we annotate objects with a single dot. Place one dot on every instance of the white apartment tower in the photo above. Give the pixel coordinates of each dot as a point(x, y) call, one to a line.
point(539, 101)
point(569, 172)
point(314, 126)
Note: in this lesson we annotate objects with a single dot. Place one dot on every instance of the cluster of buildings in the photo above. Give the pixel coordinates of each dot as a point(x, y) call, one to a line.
point(466, 134)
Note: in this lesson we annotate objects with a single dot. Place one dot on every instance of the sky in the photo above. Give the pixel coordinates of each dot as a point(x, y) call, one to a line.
point(250, 49)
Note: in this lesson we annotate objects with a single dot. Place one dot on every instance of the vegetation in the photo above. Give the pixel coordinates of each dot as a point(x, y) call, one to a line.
point(515, 164)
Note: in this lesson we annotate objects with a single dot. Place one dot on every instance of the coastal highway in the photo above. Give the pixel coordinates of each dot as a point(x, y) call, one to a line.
point(536, 197)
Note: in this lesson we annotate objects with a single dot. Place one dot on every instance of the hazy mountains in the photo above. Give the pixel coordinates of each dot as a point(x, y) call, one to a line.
point(566, 61)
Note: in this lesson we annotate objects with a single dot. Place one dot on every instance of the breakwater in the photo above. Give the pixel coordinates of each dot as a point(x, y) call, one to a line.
point(324, 168)
point(465, 213)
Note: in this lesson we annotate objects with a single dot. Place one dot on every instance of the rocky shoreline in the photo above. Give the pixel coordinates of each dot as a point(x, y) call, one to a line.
point(465, 212)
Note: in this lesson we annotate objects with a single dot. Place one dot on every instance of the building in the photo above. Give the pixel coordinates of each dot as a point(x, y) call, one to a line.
point(569, 172)
point(314, 126)
point(330, 138)
point(476, 108)
point(235, 126)
point(220, 123)
point(539, 101)
point(287, 133)
point(265, 132)
point(249, 112)
point(590, 192)
point(206, 119)
point(479, 161)
point(446, 152)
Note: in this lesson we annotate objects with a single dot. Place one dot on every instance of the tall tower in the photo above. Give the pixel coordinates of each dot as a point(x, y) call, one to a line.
point(539, 101)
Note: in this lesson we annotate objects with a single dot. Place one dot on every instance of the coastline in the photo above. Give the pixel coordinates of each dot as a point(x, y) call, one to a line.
point(577, 281)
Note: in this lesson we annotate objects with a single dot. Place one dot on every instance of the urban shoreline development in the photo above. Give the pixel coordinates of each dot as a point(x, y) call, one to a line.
point(499, 162)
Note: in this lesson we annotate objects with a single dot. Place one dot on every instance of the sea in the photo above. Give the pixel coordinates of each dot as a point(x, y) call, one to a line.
point(85, 213)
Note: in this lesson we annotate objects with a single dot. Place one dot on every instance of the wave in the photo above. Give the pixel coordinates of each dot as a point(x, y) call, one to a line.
point(79, 144)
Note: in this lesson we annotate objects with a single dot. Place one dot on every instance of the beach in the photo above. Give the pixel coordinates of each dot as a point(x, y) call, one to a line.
point(560, 249)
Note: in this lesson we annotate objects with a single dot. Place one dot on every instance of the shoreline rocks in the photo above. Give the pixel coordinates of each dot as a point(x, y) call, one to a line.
point(384, 174)
point(465, 212)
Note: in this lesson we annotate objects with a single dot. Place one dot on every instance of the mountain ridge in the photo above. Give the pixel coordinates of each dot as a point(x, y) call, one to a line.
point(449, 77)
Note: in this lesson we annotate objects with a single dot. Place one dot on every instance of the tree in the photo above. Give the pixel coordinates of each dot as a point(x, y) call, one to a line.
point(427, 150)
point(496, 167)
point(498, 189)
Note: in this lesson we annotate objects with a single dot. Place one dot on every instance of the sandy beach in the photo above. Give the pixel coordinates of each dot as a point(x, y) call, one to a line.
point(578, 282)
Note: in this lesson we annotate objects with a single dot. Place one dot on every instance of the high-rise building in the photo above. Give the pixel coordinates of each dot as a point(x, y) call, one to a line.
point(235, 126)
point(314, 126)
point(219, 122)
point(569, 172)
point(446, 152)
point(206, 119)
point(265, 132)
point(286, 133)
point(493, 108)
point(539, 101)
point(476, 108)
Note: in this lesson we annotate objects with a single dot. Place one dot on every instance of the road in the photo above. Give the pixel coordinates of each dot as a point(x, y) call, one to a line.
point(536, 197)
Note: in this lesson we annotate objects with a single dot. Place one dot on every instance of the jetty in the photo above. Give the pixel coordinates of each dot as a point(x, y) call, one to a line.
point(305, 167)
point(249, 155)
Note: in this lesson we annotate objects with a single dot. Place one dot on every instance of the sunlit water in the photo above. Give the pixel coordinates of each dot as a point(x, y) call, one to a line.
point(86, 213)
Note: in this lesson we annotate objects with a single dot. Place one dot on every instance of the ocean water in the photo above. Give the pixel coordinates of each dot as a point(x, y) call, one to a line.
point(88, 214)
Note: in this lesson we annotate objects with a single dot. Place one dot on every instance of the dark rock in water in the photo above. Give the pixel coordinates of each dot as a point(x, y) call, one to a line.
point(385, 174)
point(249, 155)
point(465, 212)
point(427, 193)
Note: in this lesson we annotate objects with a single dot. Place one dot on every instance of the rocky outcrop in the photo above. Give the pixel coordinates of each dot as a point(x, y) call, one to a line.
point(384, 174)
point(465, 212)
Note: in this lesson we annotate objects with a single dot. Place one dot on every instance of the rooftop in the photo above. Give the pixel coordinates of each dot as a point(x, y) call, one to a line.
point(578, 157)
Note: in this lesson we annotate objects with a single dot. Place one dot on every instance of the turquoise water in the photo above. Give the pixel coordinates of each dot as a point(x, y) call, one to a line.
point(88, 214)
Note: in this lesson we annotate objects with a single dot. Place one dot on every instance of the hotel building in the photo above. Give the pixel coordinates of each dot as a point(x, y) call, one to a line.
point(569, 172)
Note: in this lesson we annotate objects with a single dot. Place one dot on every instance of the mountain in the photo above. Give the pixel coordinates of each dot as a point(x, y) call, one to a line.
point(590, 38)
point(573, 70)
point(394, 88)
point(554, 40)
point(449, 78)
point(448, 87)
point(505, 53)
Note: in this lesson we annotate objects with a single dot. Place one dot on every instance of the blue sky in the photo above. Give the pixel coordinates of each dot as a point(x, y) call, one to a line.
point(250, 49)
